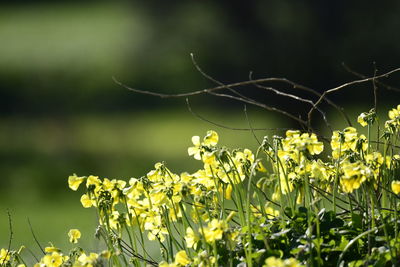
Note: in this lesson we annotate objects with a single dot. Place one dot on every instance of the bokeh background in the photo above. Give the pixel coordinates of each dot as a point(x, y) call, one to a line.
point(61, 112)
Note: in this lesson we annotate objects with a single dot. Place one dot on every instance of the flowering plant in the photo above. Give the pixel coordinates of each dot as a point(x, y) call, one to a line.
point(286, 204)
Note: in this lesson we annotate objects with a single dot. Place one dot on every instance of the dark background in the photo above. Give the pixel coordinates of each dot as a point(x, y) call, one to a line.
point(305, 41)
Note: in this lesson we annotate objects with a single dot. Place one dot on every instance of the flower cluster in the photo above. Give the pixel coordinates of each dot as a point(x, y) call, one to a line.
point(197, 206)
point(54, 257)
point(161, 198)
point(392, 125)
point(287, 204)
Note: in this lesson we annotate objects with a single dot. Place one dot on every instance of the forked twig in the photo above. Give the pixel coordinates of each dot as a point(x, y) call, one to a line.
point(359, 75)
point(385, 75)
point(258, 83)
point(295, 97)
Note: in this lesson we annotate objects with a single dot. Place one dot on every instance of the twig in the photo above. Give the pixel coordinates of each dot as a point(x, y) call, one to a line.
point(385, 75)
point(208, 77)
point(375, 89)
point(11, 234)
point(211, 91)
point(32, 254)
point(197, 115)
point(355, 73)
point(250, 126)
point(255, 103)
point(34, 237)
point(295, 97)
point(130, 250)
point(316, 93)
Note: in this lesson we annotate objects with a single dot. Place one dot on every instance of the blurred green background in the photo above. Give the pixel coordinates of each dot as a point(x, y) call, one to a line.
point(61, 112)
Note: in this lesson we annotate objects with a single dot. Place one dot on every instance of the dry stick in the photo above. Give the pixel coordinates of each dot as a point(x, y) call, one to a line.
point(34, 237)
point(205, 75)
point(251, 82)
point(134, 254)
point(11, 234)
point(193, 93)
point(210, 91)
point(346, 85)
point(241, 97)
point(314, 92)
point(255, 103)
point(197, 115)
point(355, 73)
point(226, 86)
point(298, 99)
point(251, 127)
point(375, 90)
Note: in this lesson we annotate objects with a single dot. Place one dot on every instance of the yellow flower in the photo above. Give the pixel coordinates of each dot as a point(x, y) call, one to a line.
point(361, 119)
point(214, 230)
point(4, 256)
point(260, 167)
point(86, 260)
point(51, 249)
point(394, 113)
point(354, 174)
point(277, 262)
point(211, 139)
point(228, 192)
point(196, 149)
point(182, 258)
point(273, 262)
point(86, 201)
point(396, 187)
point(191, 238)
point(296, 141)
point(392, 124)
point(166, 264)
point(105, 254)
point(93, 180)
point(270, 212)
point(74, 235)
point(74, 181)
point(54, 260)
point(313, 145)
point(347, 141)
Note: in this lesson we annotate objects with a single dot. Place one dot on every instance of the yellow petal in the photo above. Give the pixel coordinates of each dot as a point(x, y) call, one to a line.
point(182, 258)
point(211, 139)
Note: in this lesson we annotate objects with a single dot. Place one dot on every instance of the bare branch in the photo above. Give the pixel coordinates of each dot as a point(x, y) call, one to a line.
point(197, 115)
point(316, 93)
point(355, 73)
point(198, 92)
point(257, 82)
point(11, 234)
point(255, 103)
point(207, 76)
point(34, 237)
point(385, 75)
point(295, 97)
point(250, 126)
